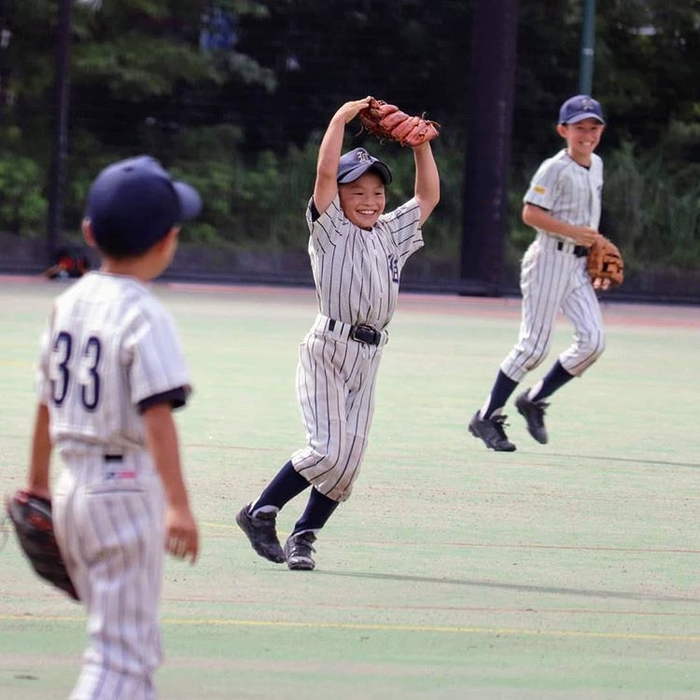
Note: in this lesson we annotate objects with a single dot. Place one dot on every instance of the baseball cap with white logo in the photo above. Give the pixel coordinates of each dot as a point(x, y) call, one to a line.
point(133, 203)
point(356, 163)
point(580, 107)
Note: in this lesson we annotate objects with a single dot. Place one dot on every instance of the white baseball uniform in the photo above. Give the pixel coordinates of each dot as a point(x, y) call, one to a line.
point(553, 274)
point(356, 273)
point(109, 351)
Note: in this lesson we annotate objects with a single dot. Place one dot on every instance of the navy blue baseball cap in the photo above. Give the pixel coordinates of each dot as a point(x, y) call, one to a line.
point(580, 107)
point(357, 162)
point(133, 203)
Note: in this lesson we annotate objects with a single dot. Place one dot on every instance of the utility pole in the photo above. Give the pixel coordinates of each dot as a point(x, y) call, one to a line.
point(491, 96)
point(587, 48)
point(57, 174)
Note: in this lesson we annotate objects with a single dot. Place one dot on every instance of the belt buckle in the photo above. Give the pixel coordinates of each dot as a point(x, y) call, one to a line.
point(365, 334)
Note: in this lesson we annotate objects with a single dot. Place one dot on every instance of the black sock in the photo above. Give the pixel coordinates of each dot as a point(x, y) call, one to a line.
point(553, 380)
point(317, 511)
point(503, 387)
point(287, 484)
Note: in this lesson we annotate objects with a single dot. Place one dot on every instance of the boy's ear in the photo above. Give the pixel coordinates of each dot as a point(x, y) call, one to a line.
point(562, 130)
point(171, 235)
point(170, 238)
point(88, 235)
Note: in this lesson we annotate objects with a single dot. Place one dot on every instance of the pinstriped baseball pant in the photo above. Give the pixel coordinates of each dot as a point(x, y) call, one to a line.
point(551, 281)
point(110, 527)
point(335, 386)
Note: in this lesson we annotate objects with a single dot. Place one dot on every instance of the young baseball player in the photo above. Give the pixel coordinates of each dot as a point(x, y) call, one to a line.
point(563, 205)
point(357, 253)
point(110, 373)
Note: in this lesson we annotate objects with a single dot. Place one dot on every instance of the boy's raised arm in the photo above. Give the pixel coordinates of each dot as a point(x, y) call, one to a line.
point(326, 185)
point(427, 187)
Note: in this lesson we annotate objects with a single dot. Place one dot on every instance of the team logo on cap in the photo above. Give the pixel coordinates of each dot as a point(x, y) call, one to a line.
point(587, 104)
point(364, 157)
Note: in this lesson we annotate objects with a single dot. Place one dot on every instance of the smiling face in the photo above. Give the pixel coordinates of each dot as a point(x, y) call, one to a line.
point(582, 138)
point(364, 200)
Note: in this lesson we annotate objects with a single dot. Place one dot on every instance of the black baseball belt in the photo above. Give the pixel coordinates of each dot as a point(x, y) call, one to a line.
point(365, 334)
point(361, 332)
point(580, 251)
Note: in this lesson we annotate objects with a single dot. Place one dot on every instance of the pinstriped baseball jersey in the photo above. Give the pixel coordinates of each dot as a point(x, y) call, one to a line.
point(357, 275)
point(109, 346)
point(568, 191)
point(109, 351)
point(553, 278)
point(357, 272)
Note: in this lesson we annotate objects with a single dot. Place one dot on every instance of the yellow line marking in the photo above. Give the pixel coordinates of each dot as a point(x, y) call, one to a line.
point(504, 631)
point(220, 526)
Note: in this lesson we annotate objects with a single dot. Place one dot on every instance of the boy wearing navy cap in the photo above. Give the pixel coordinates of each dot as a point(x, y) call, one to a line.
point(357, 253)
point(563, 205)
point(110, 373)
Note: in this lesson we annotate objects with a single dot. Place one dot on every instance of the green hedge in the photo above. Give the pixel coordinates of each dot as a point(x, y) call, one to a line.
point(651, 203)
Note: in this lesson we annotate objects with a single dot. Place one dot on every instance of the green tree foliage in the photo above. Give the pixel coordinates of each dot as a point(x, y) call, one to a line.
point(237, 92)
point(648, 60)
point(22, 205)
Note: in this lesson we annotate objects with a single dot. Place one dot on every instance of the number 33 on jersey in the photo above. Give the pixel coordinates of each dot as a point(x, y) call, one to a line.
point(88, 377)
point(96, 389)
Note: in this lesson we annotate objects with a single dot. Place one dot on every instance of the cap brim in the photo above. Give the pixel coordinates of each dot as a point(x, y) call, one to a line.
point(359, 170)
point(190, 201)
point(581, 116)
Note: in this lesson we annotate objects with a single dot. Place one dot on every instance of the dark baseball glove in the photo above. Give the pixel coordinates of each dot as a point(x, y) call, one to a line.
point(31, 516)
point(387, 121)
point(604, 264)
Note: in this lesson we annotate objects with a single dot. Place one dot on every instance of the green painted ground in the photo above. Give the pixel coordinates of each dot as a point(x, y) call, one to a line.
point(562, 571)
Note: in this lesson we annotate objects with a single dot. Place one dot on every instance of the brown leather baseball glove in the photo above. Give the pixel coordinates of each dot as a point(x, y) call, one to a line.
point(31, 516)
point(387, 121)
point(605, 265)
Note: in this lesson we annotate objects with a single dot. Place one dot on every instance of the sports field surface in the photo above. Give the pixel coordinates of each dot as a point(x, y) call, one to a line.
point(567, 570)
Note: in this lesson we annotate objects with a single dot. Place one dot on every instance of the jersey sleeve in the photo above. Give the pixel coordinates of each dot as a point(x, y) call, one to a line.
point(324, 228)
point(404, 224)
point(544, 186)
point(175, 398)
point(157, 369)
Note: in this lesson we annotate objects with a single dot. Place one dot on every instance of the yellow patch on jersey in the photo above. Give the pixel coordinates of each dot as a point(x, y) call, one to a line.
point(539, 189)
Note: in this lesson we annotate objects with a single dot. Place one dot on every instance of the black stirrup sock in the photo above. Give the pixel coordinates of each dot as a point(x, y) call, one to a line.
point(553, 380)
point(503, 387)
point(317, 511)
point(286, 485)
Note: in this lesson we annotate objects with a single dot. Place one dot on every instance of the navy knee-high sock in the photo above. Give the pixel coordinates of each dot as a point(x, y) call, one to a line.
point(503, 387)
point(286, 485)
point(318, 509)
point(553, 380)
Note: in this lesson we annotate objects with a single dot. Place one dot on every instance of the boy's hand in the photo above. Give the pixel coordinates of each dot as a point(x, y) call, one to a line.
point(181, 536)
point(584, 235)
point(38, 491)
point(350, 110)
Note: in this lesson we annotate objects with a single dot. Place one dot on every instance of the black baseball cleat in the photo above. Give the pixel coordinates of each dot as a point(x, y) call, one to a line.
point(298, 549)
point(533, 412)
point(491, 431)
point(260, 530)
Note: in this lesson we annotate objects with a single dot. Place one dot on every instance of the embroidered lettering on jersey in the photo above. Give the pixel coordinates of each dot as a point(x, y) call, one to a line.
point(394, 268)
